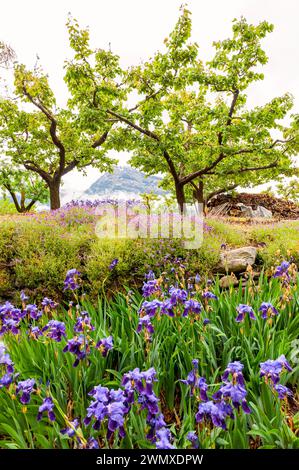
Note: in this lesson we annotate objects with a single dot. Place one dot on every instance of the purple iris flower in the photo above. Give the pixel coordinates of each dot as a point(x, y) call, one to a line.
point(167, 308)
point(242, 311)
point(282, 270)
point(150, 275)
point(206, 321)
point(71, 280)
point(164, 439)
point(195, 382)
point(113, 264)
point(10, 325)
point(110, 405)
point(70, 430)
point(236, 393)
point(23, 296)
point(192, 437)
point(150, 287)
point(150, 307)
point(46, 302)
point(25, 388)
point(209, 295)
point(283, 392)
point(33, 311)
point(235, 370)
point(215, 412)
point(92, 443)
point(5, 360)
point(76, 346)
point(267, 310)
point(271, 369)
point(197, 279)
point(46, 407)
point(83, 323)
point(191, 306)
point(177, 295)
point(34, 332)
point(145, 322)
point(55, 330)
point(105, 345)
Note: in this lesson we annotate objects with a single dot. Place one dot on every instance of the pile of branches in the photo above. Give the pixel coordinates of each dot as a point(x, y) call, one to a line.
point(280, 208)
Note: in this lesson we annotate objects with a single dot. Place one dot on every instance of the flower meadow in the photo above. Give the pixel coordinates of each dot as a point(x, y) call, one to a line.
point(180, 364)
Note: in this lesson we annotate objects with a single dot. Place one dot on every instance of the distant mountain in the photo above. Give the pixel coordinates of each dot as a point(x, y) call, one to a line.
point(124, 182)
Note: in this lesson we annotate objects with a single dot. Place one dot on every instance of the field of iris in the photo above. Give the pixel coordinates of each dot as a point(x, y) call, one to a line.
point(181, 364)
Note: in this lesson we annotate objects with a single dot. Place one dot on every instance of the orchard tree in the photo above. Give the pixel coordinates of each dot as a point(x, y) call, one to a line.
point(52, 141)
point(191, 122)
point(7, 54)
point(25, 188)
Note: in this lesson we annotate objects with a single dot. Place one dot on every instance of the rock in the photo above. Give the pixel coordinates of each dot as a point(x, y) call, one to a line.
point(262, 212)
point(227, 281)
point(259, 212)
point(237, 260)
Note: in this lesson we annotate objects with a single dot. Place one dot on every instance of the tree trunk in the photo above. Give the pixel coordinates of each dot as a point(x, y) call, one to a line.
point(198, 193)
point(180, 196)
point(54, 188)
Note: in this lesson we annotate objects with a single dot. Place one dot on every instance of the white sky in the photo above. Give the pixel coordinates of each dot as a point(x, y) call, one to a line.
point(137, 28)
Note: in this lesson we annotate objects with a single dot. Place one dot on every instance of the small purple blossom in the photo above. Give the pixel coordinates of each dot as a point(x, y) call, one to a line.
point(282, 270)
point(46, 407)
point(145, 322)
point(83, 323)
point(283, 391)
point(70, 430)
point(25, 388)
point(105, 345)
point(209, 295)
point(164, 439)
point(268, 310)
point(113, 264)
point(150, 307)
point(242, 310)
point(71, 280)
point(77, 347)
point(150, 287)
point(55, 330)
point(191, 306)
point(193, 439)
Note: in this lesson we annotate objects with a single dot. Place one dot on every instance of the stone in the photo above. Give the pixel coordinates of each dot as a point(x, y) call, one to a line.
point(259, 212)
point(237, 260)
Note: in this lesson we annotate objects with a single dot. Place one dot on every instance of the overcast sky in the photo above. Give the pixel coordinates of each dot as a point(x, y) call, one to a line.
point(136, 29)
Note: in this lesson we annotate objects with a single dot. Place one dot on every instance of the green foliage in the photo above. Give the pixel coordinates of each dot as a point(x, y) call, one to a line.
point(25, 188)
point(289, 190)
point(176, 342)
point(7, 207)
point(36, 251)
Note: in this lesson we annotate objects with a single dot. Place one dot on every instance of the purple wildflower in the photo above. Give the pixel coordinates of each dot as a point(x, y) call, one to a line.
point(113, 264)
point(191, 306)
point(151, 287)
point(242, 310)
point(150, 307)
point(105, 345)
point(193, 439)
point(177, 295)
point(163, 439)
point(71, 280)
point(70, 429)
point(55, 330)
point(83, 323)
point(209, 295)
point(33, 311)
point(282, 270)
point(267, 310)
point(25, 388)
point(195, 382)
point(77, 347)
point(283, 392)
point(145, 322)
point(46, 407)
